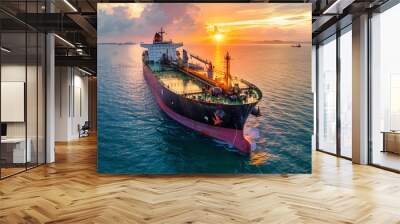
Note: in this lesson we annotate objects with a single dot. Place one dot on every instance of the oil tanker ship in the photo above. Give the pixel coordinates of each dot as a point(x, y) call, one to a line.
point(198, 95)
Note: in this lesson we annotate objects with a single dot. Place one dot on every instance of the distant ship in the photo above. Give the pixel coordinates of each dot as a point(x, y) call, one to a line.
point(296, 45)
point(197, 96)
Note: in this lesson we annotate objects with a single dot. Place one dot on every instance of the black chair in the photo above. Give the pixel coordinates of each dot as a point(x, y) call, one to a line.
point(84, 130)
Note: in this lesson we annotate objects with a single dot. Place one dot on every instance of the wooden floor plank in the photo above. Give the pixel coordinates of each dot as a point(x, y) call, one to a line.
point(70, 191)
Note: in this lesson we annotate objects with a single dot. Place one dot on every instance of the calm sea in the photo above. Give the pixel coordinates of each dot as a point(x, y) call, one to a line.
point(135, 136)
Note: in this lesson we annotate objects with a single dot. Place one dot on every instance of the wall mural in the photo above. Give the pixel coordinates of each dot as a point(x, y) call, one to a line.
point(204, 88)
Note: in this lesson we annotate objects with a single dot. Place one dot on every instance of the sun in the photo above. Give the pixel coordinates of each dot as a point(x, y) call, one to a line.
point(218, 37)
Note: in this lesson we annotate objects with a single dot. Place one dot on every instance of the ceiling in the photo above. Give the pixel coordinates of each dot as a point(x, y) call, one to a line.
point(332, 15)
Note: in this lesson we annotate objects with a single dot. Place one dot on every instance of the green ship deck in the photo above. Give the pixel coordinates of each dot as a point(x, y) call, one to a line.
point(189, 87)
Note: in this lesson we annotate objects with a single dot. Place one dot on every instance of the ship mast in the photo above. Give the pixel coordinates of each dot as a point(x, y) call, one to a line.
point(228, 71)
point(162, 34)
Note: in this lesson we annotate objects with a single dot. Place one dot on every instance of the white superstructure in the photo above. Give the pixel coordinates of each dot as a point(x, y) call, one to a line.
point(159, 47)
point(156, 50)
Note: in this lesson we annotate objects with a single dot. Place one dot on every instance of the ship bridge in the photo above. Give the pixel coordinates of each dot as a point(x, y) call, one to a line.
point(156, 50)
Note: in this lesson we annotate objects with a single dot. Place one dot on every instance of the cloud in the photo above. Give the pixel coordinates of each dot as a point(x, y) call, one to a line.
point(115, 22)
point(190, 22)
point(135, 10)
point(119, 21)
point(272, 21)
point(274, 8)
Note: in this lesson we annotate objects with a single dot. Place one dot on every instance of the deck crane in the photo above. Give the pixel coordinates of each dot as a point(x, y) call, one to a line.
point(210, 67)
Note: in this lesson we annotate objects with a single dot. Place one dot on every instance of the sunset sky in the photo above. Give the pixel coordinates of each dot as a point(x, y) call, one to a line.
point(204, 23)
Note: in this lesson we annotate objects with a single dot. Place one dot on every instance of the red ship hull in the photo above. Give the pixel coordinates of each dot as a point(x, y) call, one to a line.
point(234, 137)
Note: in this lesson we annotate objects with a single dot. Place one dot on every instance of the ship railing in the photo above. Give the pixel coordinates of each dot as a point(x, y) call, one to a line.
point(206, 97)
point(199, 77)
point(253, 87)
point(203, 78)
point(193, 93)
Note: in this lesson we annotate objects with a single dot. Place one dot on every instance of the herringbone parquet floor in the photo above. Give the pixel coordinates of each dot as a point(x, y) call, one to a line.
point(70, 191)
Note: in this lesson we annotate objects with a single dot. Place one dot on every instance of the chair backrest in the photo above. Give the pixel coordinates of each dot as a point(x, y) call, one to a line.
point(86, 125)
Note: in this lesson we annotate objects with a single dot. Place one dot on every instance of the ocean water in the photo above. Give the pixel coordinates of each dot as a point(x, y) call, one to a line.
point(135, 136)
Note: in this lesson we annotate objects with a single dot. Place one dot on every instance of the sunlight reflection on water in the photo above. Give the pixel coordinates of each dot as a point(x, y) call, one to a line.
point(258, 158)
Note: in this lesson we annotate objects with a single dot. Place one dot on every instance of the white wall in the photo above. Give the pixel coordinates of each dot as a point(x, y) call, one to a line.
point(17, 73)
point(71, 102)
point(33, 126)
point(80, 112)
point(62, 82)
point(14, 73)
